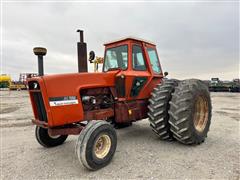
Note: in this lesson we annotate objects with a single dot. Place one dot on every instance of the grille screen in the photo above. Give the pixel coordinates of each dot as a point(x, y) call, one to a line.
point(38, 100)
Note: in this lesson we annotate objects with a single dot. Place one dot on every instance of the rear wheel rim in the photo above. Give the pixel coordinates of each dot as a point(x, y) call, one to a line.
point(102, 146)
point(201, 114)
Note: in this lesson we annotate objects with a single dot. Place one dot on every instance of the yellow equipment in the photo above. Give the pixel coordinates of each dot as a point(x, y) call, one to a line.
point(98, 60)
point(5, 81)
point(17, 86)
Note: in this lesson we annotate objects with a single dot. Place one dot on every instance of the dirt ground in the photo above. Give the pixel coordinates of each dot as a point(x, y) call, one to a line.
point(140, 154)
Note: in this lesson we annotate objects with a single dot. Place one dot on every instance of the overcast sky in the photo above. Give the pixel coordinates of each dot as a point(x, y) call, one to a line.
point(194, 39)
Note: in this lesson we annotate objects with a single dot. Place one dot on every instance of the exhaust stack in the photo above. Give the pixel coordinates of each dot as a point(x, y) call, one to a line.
point(40, 52)
point(82, 54)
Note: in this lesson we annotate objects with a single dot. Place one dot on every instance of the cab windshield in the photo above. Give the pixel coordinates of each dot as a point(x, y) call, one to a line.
point(116, 58)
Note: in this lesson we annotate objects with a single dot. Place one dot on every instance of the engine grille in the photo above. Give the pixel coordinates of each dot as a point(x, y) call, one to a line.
point(36, 94)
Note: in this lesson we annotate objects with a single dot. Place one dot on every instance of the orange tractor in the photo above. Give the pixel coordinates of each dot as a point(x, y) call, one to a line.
point(130, 87)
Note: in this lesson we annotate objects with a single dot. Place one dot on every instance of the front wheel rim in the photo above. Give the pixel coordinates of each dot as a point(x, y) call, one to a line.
point(54, 137)
point(102, 146)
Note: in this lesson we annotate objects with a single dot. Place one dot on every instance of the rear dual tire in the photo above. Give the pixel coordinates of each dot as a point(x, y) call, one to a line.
point(158, 109)
point(190, 112)
point(181, 111)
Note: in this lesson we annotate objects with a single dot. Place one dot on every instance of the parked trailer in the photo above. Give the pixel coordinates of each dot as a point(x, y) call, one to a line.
point(216, 85)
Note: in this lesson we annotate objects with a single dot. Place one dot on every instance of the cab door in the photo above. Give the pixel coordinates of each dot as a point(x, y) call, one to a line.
point(140, 74)
point(137, 75)
point(144, 71)
point(139, 78)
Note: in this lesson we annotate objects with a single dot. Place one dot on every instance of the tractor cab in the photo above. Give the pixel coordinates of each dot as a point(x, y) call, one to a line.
point(138, 65)
point(131, 54)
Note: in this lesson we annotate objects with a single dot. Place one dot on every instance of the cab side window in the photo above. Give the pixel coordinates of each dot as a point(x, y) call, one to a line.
point(138, 60)
point(154, 60)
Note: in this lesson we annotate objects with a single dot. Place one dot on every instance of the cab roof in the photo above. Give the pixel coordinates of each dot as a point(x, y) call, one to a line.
point(129, 38)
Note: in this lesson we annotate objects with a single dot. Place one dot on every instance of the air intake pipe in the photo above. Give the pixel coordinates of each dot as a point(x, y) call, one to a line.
point(40, 52)
point(82, 54)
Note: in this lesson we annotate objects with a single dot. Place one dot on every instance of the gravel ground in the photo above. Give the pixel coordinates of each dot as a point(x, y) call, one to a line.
point(140, 154)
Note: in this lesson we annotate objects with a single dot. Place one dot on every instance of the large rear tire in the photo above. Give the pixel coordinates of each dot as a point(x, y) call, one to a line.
point(158, 109)
point(96, 145)
point(190, 112)
point(46, 140)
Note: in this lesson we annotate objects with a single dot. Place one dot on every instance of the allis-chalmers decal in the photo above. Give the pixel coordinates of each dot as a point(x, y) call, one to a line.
point(62, 101)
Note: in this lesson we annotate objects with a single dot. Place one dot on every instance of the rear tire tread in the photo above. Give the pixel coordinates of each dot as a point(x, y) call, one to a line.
point(182, 109)
point(158, 109)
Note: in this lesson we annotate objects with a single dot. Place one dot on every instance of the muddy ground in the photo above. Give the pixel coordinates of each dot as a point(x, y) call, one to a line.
point(140, 154)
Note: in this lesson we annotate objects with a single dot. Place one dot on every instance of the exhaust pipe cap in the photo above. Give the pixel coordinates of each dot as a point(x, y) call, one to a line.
point(40, 51)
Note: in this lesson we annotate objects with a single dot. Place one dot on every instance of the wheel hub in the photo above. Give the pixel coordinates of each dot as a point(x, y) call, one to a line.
point(102, 146)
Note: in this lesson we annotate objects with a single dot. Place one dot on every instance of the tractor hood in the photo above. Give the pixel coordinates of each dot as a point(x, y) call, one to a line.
point(70, 84)
point(60, 95)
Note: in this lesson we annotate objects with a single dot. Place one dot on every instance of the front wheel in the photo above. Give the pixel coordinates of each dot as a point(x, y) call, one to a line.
point(46, 140)
point(96, 145)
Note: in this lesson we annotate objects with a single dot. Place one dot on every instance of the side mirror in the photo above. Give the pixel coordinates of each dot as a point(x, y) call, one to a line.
point(91, 56)
point(165, 74)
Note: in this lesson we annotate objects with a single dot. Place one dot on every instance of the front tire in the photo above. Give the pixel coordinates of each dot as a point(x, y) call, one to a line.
point(96, 145)
point(190, 112)
point(46, 140)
